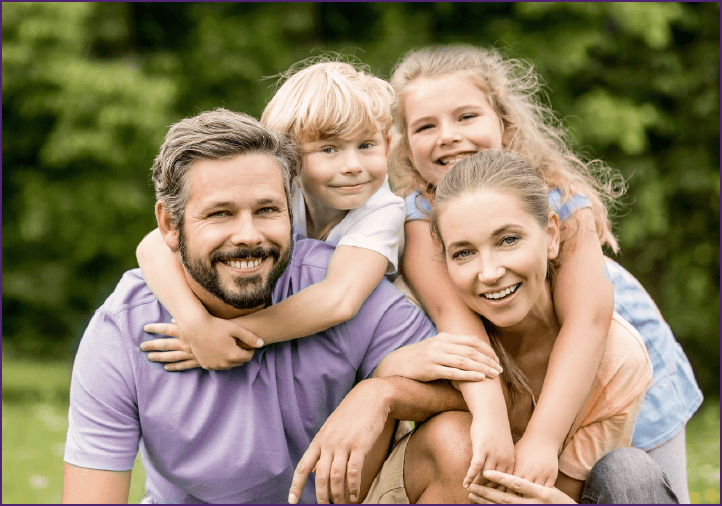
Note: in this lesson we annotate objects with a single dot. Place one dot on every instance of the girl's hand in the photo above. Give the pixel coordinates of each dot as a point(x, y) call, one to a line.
point(518, 490)
point(444, 356)
point(220, 347)
point(492, 447)
point(536, 461)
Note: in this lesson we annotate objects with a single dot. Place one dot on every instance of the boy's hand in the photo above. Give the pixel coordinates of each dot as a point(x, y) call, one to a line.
point(492, 447)
point(221, 344)
point(449, 357)
point(536, 461)
point(518, 490)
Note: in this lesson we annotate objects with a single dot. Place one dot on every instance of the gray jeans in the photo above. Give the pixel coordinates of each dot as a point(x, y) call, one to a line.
point(627, 476)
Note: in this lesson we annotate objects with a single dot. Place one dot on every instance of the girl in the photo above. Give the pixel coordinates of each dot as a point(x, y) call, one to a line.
point(451, 102)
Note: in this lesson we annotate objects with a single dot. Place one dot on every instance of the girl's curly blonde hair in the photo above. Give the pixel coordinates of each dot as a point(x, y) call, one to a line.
point(531, 128)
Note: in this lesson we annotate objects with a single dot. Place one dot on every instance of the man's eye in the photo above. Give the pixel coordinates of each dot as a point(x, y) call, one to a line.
point(266, 210)
point(219, 214)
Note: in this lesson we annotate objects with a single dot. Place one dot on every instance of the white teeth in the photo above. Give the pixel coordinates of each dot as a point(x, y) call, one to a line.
point(451, 160)
point(501, 293)
point(244, 264)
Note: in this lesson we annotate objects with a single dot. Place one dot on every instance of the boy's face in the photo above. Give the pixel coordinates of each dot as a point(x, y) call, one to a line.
point(343, 174)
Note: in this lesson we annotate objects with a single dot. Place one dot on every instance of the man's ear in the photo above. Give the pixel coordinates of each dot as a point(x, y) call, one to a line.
point(554, 236)
point(165, 225)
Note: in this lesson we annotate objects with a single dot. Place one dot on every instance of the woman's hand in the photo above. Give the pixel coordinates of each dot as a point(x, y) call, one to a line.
point(536, 461)
point(443, 356)
point(518, 491)
point(222, 350)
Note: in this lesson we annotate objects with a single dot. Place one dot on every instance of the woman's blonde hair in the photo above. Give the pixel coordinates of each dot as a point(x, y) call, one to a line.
point(329, 96)
point(504, 171)
point(531, 129)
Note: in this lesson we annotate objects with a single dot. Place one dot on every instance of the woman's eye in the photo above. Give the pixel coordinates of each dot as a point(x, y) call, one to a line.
point(509, 240)
point(461, 254)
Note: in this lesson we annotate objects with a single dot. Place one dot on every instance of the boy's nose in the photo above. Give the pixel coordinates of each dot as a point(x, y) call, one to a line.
point(351, 164)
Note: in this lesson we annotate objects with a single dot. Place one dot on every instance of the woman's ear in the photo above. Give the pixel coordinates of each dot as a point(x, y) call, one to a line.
point(165, 225)
point(553, 235)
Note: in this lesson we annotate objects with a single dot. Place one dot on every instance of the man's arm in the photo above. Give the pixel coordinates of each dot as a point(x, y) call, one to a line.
point(92, 486)
point(338, 452)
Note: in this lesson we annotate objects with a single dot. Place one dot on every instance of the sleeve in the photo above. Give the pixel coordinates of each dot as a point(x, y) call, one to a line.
point(565, 209)
point(624, 375)
point(417, 207)
point(104, 427)
point(378, 225)
point(397, 323)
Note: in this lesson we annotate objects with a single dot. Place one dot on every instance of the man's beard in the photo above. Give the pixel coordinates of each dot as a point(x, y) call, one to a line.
point(251, 291)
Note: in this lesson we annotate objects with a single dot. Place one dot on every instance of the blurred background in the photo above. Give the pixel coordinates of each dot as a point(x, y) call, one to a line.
point(89, 90)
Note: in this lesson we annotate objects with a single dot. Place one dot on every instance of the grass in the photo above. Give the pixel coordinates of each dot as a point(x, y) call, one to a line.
point(35, 421)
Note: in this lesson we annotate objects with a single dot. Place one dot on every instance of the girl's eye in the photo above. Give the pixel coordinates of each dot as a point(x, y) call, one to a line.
point(461, 254)
point(509, 240)
point(468, 116)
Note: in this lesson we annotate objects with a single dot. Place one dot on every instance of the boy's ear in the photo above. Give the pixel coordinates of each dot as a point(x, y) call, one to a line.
point(165, 225)
point(554, 236)
point(388, 144)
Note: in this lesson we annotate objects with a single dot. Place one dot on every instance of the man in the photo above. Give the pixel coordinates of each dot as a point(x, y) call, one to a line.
point(223, 186)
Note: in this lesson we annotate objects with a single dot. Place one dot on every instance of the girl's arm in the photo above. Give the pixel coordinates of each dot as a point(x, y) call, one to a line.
point(584, 303)
point(353, 273)
point(429, 279)
point(215, 343)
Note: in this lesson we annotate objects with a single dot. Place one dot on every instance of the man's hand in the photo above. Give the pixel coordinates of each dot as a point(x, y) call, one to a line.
point(443, 356)
point(492, 446)
point(224, 347)
point(518, 491)
point(338, 451)
point(536, 461)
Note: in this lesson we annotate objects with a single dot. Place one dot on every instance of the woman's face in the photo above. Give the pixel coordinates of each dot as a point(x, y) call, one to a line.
point(497, 254)
point(447, 118)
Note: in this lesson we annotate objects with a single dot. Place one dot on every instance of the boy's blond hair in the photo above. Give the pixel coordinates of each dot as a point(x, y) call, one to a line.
point(324, 97)
point(531, 129)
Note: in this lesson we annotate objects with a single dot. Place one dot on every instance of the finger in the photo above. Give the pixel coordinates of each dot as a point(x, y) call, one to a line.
point(519, 485)
point(475, 342)
point(473, 473)
point(353, 474)
point(182, 366)
point(248, 337)
point(493, 495)
point(337, 477)
point(170, 356)
point(467, 357)
point(323, 471)
point(240, 356)
point(164, 344)
point(300, 475)
point(450, 373)
point(168, 329)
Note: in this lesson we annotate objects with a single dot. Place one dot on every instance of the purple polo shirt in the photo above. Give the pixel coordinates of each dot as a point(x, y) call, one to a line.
point(222, 436)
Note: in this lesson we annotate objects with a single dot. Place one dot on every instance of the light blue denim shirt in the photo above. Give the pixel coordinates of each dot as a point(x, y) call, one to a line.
point(673, 397)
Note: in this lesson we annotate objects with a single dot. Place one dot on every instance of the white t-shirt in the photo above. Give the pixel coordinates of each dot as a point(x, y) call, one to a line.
point(377, 225)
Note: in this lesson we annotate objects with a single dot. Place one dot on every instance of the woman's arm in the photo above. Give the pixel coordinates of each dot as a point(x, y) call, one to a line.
point(584, 303)
point(429, 279)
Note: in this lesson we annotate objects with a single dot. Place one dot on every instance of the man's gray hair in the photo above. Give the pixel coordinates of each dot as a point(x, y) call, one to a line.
point(216, 135)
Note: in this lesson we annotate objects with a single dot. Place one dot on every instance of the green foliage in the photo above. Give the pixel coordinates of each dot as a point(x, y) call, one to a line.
point(89, 90)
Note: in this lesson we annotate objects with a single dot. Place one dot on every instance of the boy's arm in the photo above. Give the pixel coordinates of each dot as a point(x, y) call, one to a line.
point(93, 486)
point(214, 342)
point(584, 303)
point(353, 273)
point(429, 279)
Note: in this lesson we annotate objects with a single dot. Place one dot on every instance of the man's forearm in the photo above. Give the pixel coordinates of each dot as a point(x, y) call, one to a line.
point(416, 401)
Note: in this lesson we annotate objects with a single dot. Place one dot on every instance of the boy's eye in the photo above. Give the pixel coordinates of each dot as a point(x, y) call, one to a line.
point(424, 127)
point(328, 149)
point(365, 145)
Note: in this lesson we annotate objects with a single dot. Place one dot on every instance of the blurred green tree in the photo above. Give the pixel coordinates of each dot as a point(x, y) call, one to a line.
point(89, 90)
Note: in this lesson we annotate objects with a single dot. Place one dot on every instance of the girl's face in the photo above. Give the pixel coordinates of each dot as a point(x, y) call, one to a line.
point(447, 118)
point(498, 260)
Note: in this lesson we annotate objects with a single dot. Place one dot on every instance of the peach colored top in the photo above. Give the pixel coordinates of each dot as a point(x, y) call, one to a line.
point(606, 420)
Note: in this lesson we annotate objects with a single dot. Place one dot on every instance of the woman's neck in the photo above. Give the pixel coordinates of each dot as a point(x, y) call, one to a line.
point(321, 218)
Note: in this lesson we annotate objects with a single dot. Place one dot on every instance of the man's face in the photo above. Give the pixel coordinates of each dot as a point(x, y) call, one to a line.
point(235, 240)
